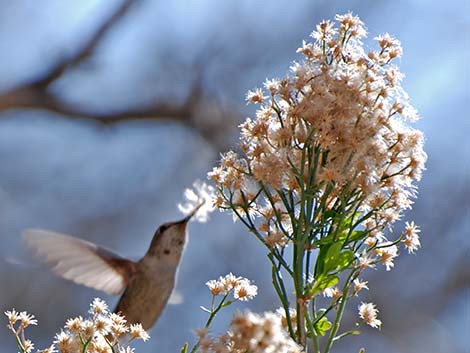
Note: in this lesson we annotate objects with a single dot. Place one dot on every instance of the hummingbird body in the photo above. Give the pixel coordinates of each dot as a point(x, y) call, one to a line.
point(150, 288)
point(147, 283)
point(146, 296)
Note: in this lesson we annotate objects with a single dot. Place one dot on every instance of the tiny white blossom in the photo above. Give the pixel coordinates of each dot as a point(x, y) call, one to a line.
point(137, 331)
point(368, 313)
point(359, 285)
point(411, 240)
point(98, 306)
point(255, 96)
point(27, 319)
point(199, 201)
point(245, 291)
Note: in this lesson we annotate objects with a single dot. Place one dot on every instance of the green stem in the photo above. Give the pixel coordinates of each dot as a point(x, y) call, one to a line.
point(211, 317)
point(278, 284)
point(314, 337)
point(339, 314)
point(18, 342)
point(85, 346)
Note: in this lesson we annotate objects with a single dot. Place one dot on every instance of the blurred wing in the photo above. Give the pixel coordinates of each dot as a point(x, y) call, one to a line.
point(81, 261)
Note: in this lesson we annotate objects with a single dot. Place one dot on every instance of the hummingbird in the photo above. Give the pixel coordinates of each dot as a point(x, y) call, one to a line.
point(146, 285)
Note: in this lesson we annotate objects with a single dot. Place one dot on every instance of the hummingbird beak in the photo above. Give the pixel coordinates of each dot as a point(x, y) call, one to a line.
point(192, 213)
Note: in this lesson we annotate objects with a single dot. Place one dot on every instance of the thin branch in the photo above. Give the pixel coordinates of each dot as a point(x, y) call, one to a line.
point(206, 116)
point(214, 126)
point(87, 49)
point(35, 93)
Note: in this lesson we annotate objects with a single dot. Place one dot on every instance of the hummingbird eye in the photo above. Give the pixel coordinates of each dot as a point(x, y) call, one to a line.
point(164, 227)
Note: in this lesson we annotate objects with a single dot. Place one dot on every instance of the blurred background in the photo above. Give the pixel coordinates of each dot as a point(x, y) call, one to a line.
point(109, 109)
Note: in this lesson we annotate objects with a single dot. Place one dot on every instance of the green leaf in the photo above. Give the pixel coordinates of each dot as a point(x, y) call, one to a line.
point(325, 240)
point(205, 309)
point(345, 334)
point(322, 326)
point(320, 263)
point(332, 257)
point(347, 223)
point(344, 260)
point(357, 235)
point(329, 214)
point(320, 284)
point(184, 349)
point(335, 259)
point(227, 303)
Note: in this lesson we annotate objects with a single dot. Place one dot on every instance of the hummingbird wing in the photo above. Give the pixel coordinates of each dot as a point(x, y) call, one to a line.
point(176, 298)
point(81, 261)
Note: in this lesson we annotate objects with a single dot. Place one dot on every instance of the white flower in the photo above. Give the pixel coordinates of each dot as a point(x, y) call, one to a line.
point(245, 291)
point(359, 285)
point(13, 316)
point(98, 306)
point(261, 334)
point(387, 253)
point(137, 331)
point(126, 349)
point(411, 240)
point(27, 319)
point(368, 313)
point(199, 201)
point(255, 96)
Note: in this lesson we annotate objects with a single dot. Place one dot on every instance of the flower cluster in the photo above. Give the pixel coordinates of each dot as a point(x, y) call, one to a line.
point(101, 332)
point(17, 322)
point(242, 288)
point(330, 137)
point(198, 201)
point(326, 166)
point(250, 332)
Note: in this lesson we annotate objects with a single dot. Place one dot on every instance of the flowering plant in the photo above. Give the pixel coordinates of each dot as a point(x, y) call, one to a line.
point(325, 168)
point(102, 332)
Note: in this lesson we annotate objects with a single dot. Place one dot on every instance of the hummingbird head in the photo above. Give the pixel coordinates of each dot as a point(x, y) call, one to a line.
point(170, 238)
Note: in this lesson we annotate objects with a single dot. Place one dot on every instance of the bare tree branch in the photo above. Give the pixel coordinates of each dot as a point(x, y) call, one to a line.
point(87, 49)
point(36, 94)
